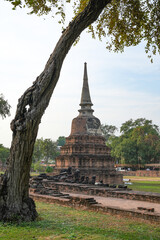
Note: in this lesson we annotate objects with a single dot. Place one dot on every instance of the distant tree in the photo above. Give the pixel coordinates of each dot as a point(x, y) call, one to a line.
point(124, 150)
point(50, 150)
point(4, 154)
point(37, 167)
point(4, 107)
point(140, 122)
point(139, 142)
point(38, 152)
point(147, 139)
point(45, 149)
point(61, 141)
point(124, 23)
point(108, 131)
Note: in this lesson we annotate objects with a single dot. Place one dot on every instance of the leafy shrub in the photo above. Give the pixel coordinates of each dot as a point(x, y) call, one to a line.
point(49, 169)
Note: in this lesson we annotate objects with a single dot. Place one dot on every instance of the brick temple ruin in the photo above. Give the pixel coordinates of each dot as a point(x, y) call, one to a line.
point(85, 153)
point(85, 160)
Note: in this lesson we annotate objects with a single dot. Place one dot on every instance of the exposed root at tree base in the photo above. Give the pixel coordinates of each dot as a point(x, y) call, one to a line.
point(27, 213)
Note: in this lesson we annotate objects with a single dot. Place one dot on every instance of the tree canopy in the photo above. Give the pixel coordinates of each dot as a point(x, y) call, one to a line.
point(61, 141)
point(122, 23)
point(139, 142)
point(108, 131)
point(4, 107)
point(45, 149)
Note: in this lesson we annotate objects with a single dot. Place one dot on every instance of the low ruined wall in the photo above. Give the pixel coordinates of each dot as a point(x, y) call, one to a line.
point(80, 203)
point(105, 192)
point(142, 173)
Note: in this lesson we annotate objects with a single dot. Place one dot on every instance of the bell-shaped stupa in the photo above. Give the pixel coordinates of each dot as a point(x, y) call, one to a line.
point(85, 149)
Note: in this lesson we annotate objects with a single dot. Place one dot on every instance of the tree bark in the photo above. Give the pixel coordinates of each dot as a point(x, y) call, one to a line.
point(15, 203)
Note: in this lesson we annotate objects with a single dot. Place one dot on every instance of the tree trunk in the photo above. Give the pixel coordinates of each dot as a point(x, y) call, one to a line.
point(15, 203)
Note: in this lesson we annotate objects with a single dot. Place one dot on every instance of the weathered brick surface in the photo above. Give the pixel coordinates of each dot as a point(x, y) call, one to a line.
point(91, 156)
point(80, 202)
point(104, 192)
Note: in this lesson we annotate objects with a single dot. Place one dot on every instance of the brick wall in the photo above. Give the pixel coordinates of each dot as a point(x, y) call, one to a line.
point(104, 192)
point(81, 203)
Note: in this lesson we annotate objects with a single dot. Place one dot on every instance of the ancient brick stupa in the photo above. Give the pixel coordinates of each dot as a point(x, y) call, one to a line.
point(85, 149)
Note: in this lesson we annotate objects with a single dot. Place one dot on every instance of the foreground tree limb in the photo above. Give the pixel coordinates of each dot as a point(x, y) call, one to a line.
point(15, 203)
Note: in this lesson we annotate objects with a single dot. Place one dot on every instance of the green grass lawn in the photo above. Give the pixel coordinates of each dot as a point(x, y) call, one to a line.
point(31, 173)
point(144, 184)
point(58, 222)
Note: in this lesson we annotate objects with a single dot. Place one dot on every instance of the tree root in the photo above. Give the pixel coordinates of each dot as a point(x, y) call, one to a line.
point(27, 212)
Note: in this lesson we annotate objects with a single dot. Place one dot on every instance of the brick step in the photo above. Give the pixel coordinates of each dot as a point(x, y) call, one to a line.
point(57, 195)
point(91, 201)
point(53, 189)
point(66, 196)
point(146, 209)
point(53, 192)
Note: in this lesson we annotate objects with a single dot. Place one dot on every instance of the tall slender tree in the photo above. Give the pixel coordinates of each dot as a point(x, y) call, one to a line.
point(125, 22)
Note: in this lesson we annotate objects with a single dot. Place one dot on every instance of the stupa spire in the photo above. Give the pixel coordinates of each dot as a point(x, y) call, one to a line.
point(85, 96)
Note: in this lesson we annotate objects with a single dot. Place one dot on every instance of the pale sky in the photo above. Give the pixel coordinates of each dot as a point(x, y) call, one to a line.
point(122, 86)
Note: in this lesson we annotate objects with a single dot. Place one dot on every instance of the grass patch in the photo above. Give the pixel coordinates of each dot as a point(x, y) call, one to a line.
point(58, 222)
point(34, 174)
point(31, 173)
point(146, 184)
